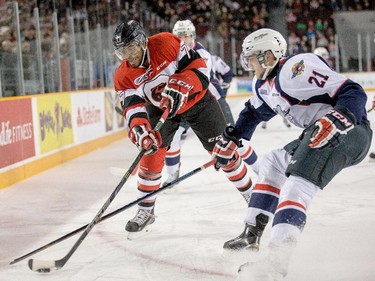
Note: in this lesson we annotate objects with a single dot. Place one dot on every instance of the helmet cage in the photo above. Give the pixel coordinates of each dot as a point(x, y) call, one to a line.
point(125, 52)
point(245, 59)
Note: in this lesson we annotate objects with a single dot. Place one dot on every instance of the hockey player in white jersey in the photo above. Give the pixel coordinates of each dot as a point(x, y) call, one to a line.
point(223, 72)
point(185, 30)
point(336, 134)
point(322, 52)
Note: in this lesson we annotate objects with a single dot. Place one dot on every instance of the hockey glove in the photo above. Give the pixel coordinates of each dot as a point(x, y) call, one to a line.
point(225, 87)
point(145, 138)
point(175, 95)
point(332, 128)
point(225, 148)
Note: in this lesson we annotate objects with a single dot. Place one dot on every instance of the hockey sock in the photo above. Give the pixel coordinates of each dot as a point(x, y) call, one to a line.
point(236, 172)
point(173, 156)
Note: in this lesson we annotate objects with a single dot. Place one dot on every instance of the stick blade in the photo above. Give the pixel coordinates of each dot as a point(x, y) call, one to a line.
point(43, 266)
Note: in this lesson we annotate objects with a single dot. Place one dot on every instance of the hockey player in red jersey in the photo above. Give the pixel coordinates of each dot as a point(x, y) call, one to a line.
point(157, 72)
point(331, 110)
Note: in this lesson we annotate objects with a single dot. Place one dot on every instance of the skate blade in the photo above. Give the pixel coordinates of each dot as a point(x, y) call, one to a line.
point(138, 234)
point(250, 248)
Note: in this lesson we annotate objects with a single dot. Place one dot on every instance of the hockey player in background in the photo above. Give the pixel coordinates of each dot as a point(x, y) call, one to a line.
point(223, 72)
point(156, 73)
point(323, 52)
point(185, 30)
point(331, 110)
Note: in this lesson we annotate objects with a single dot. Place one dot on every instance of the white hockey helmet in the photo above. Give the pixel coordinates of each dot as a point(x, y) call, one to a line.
point(260, 41)
point(321, 51)
point(184, 28)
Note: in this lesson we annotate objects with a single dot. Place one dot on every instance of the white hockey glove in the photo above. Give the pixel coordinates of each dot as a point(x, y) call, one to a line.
point(225, 85)
point(175, 95)
point(145, 138)
point(332, 128)
point(225, 148)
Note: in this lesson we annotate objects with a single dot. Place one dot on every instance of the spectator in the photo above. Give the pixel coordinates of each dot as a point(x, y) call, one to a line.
point(293, 42)
point(321, 41)
point(319, 24)
point(8, 68)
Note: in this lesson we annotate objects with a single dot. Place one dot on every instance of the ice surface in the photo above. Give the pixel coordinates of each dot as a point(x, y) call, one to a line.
point(193, 221)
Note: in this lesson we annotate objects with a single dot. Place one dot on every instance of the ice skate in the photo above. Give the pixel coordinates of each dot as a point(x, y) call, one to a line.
point(250, 237)
point(274, 267)
point(171, 177)
point(139, 225)
point(246, 196)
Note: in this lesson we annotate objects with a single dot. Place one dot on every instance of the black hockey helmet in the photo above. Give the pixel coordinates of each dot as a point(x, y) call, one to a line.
point(128, 32)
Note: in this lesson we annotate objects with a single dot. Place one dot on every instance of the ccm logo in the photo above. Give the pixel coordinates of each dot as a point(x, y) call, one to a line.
point(180, 83)
point(214, 139)
point(340, 117)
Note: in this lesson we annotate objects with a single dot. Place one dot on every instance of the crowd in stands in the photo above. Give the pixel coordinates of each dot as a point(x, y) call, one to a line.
point(231, 17)
point(309, 22)
point(237, 18)
point(104, 12)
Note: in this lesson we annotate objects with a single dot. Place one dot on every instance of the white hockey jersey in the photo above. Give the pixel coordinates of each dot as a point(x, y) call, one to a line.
point(214, 87)
point(222, 70)
point(302, 91)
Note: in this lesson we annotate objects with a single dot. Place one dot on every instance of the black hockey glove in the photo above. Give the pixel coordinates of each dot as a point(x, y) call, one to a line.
point(225, 148)
point(332, 128)
point(175, 95)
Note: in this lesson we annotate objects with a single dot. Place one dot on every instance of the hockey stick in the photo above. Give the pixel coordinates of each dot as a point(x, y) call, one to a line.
point(47, 266)
point(119, 111)
point(115, 212)
point(371, 109)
